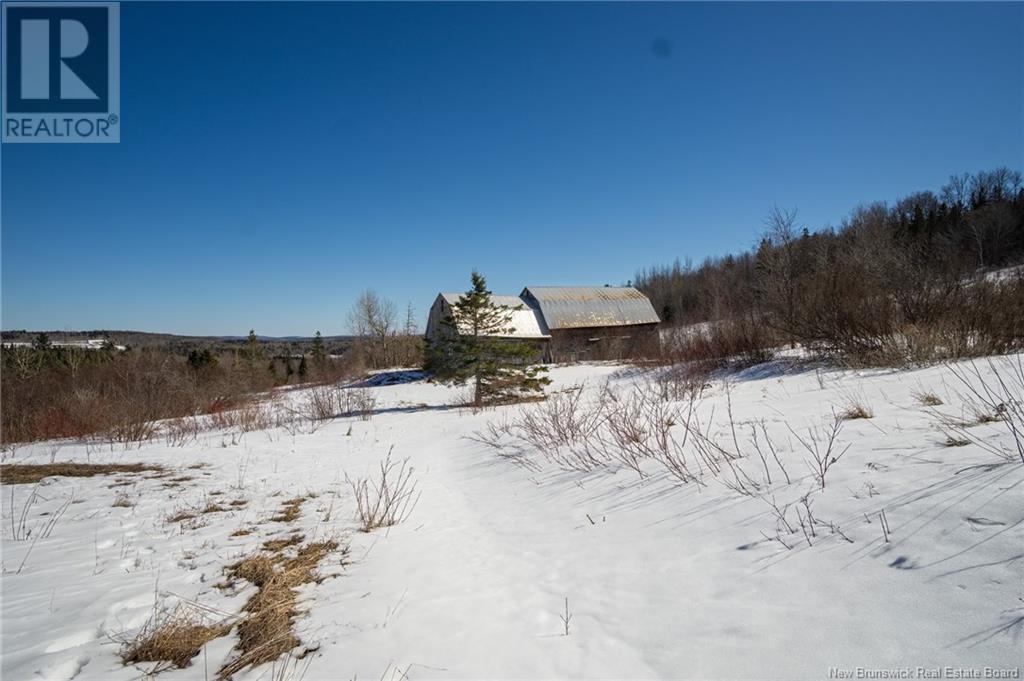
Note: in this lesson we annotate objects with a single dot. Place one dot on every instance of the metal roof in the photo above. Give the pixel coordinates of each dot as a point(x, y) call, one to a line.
point(510, 301)
point(526, 321)
point(574, 307)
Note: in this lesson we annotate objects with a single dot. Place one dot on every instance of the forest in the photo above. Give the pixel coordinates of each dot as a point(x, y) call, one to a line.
point(930, 277)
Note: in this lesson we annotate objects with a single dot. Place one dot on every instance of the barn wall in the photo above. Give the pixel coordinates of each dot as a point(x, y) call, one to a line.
point(604, 343)
point(438, 311)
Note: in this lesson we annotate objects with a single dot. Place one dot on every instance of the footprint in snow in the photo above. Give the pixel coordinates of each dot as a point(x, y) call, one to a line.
point(72, 640)
point(64, 670)
point(983, 522)
point(903, 563)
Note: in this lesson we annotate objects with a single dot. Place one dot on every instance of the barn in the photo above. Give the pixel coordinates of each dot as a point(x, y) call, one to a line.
point(594, 322)
point(570, 323)
point(526, 324)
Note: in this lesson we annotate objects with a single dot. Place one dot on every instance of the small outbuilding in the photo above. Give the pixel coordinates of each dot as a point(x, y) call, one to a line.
point(570, 323)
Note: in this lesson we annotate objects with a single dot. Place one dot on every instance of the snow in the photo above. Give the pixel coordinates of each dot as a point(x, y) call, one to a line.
point(662, 579)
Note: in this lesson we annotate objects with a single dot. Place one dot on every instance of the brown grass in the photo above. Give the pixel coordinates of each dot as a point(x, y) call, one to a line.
point(122, 500)
point(856, 411)
point(267, 631)
point(174, 637)
point(257, 569)
point(290, 510)
point(180, 516)
point(242, 532)
point(25, 473)
point(277, 545)
point(926, 399)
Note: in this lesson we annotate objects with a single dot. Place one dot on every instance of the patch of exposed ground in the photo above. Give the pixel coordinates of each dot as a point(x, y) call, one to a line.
point(289, 510)
point(267, 632)
point(24, 473)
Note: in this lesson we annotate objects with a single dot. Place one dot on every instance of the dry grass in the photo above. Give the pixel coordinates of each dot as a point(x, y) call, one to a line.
point(856, 410)
point(192, 513)
point(927, 399)
point(242, 532)
point(122, 500)
point(290, 510)
point(257, 569)
point(25, 473)
point(180, 516)
point(267, 631)
point(174, 637)
point(277, 545)
point(994, 397)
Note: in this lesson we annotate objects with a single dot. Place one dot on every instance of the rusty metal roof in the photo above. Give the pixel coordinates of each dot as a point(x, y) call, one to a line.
point(575, 307)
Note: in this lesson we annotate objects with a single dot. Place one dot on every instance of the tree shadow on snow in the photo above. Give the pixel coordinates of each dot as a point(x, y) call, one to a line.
point(386, 378)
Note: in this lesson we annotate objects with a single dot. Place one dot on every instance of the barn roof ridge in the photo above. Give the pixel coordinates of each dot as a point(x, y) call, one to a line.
point(577, 307)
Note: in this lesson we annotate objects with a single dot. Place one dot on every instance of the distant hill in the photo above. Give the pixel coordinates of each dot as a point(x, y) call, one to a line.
point(181, 343)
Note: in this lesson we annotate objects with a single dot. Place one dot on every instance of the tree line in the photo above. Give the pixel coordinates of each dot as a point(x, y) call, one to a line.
point(915, 281)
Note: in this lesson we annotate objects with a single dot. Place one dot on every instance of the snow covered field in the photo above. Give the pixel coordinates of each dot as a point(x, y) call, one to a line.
point(657, 578)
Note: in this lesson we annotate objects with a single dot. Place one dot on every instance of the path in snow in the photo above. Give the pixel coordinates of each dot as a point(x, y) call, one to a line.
point(662, 581)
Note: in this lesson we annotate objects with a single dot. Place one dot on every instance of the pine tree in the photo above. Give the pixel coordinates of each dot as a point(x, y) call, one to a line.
point(201, 359)
point(253, 346)
point(303, 369)
point(319, 353)
point(472, 348)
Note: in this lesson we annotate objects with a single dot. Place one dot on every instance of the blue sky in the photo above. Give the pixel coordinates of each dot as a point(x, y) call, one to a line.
point(277, 159)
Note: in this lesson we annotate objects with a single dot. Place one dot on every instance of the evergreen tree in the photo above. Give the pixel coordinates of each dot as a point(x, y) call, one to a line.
point(252, 346)
point(41, 342)
point(303, 369)
point(474, 347)
point(201, 359)
point(319, 353)
point(252, 356)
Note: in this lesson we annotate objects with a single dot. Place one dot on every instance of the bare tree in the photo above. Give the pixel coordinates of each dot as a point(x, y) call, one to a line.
point(779, 266)
point(372, 318)
point(957, 192)
point(410, 321)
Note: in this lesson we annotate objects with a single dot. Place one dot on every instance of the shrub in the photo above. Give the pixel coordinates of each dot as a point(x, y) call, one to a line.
point(389, 499)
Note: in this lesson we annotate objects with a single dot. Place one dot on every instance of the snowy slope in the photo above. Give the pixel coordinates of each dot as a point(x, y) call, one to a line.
point(662, 579)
